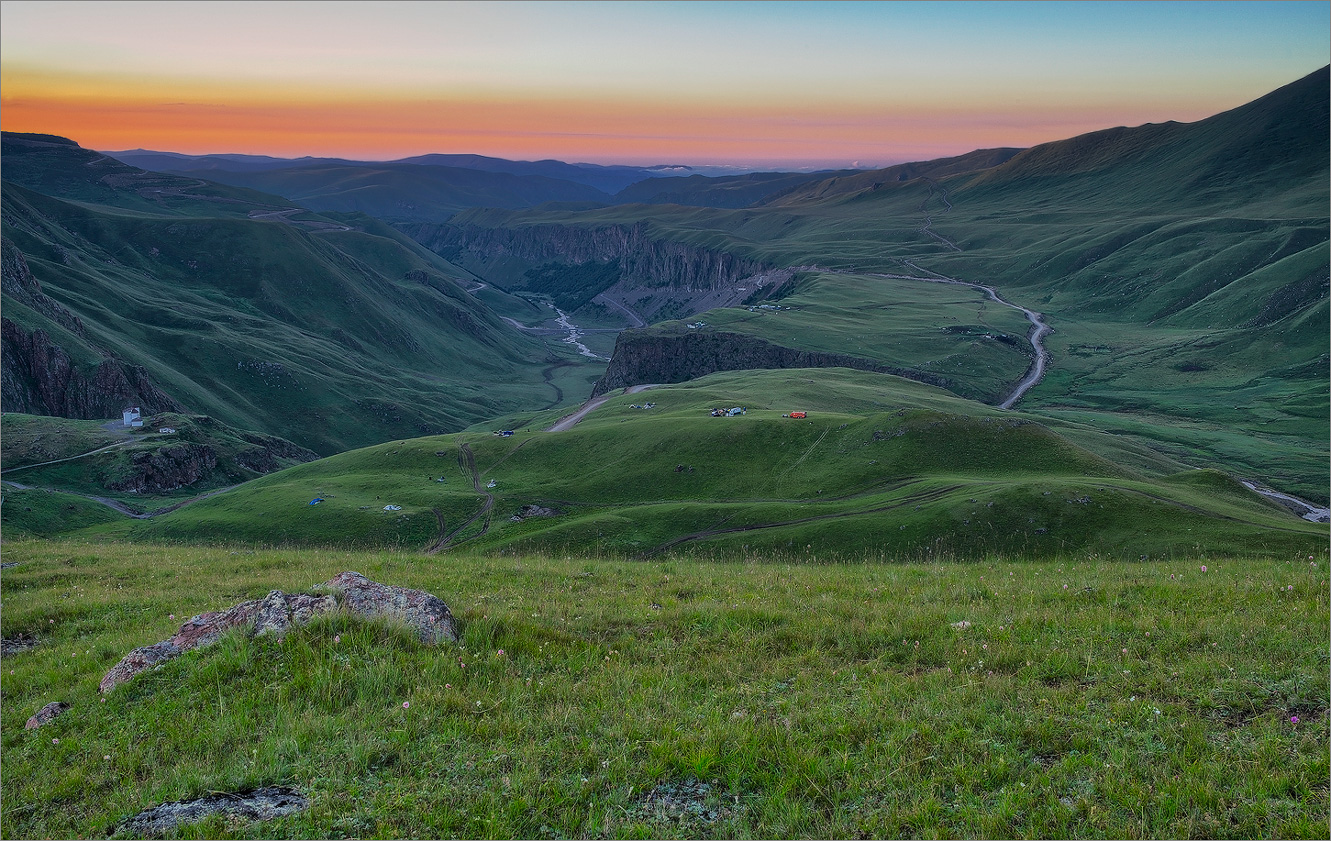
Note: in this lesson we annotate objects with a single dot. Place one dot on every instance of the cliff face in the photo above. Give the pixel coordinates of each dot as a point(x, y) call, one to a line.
point(167, 468)
point(656, 356)
point(38, 377)
point(17, 283)
point(643, 260)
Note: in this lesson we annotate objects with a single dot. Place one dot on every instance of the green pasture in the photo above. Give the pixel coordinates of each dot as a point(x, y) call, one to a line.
point(775, 695)
point(879, 465)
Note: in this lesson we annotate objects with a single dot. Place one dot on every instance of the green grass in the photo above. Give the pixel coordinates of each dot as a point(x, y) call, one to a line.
point(31, 441)
point(945, 331)
point(881, 465)
point(331, 338)
point(597, 698)
point(1183, 269)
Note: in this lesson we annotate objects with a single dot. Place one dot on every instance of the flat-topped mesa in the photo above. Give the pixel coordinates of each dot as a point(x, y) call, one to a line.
point(277, 613)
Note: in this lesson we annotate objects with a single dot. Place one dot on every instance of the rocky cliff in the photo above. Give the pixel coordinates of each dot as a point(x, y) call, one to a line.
point(641, 258)
point(663, 355)
point(166, 469)
point(38, 376)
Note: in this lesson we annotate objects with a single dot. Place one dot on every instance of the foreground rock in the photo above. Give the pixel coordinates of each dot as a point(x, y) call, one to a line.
point(277, 613)
point(425, 614)
point(46, 714)
point(258, 805)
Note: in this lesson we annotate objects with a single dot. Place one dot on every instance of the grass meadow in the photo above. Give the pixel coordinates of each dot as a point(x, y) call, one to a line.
point(762, 696)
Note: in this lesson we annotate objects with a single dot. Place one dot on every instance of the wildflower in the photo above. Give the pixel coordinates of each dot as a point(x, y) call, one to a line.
point(501, 652)
point(107, 757)
point(1155, 710)
point(55, 741)
point(448, 686)
point(1294, 719)
point(1066, 586)
point(103, 700)
point(337, 638)
point(406, 704)
point(1290, 587)
point(1125, 651)
point(1203, 567)
point(171, 616)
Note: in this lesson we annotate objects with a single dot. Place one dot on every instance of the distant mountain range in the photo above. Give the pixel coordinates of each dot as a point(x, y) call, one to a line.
point(429, 188)
point(1183, 267)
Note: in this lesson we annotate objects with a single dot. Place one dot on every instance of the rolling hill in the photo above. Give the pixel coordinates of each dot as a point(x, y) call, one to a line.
point(180, 294)
point(1184, 269)
point(880, 467)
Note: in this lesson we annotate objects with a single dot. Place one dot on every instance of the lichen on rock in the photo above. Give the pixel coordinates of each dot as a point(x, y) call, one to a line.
point(278, 612)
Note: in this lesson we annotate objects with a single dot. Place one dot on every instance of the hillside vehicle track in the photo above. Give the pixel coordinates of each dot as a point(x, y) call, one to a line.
point(467, 461)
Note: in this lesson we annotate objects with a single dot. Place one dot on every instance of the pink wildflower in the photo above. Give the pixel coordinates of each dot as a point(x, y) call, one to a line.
point(501, 652)
point(1203, 567)
point(337, 638)
point(1294, 719)
point(406, 704)
point(55, 741)
point(171, 616)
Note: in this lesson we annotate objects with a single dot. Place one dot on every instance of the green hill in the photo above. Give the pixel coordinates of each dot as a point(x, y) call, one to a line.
point(332, 332)
point(1184, 269)
point(881, 466)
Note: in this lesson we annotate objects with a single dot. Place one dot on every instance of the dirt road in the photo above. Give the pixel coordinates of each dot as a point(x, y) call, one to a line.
point(570, 421)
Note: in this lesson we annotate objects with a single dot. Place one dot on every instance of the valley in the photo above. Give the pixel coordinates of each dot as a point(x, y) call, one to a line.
point(459, 496)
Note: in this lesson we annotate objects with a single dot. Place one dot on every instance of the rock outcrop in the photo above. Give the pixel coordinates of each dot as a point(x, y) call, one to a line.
point(38, 376)
point(259, 805)
point(423, 613)
point(659, 355)
point(46, 715)
point(166, 468)
point(277, 613)
point(642, 259)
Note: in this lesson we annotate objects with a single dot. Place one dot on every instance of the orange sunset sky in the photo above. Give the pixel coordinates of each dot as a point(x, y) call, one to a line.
point(780, 84)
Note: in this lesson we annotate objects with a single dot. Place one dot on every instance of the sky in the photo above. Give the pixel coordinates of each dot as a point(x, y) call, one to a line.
point(785, 84)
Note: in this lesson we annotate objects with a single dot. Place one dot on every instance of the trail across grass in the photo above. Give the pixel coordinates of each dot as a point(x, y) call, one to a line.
point(765, 697)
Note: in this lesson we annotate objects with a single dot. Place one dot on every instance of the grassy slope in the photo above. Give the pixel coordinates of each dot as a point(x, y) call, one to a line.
point(30, 441)
point(589, 698)
point(322, 338)
point(1183, 268)
point(881, 464)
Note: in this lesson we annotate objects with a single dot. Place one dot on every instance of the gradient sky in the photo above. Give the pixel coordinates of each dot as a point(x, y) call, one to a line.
point(751, 83)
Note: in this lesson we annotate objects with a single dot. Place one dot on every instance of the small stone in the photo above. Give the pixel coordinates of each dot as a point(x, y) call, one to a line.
point(46, 714)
